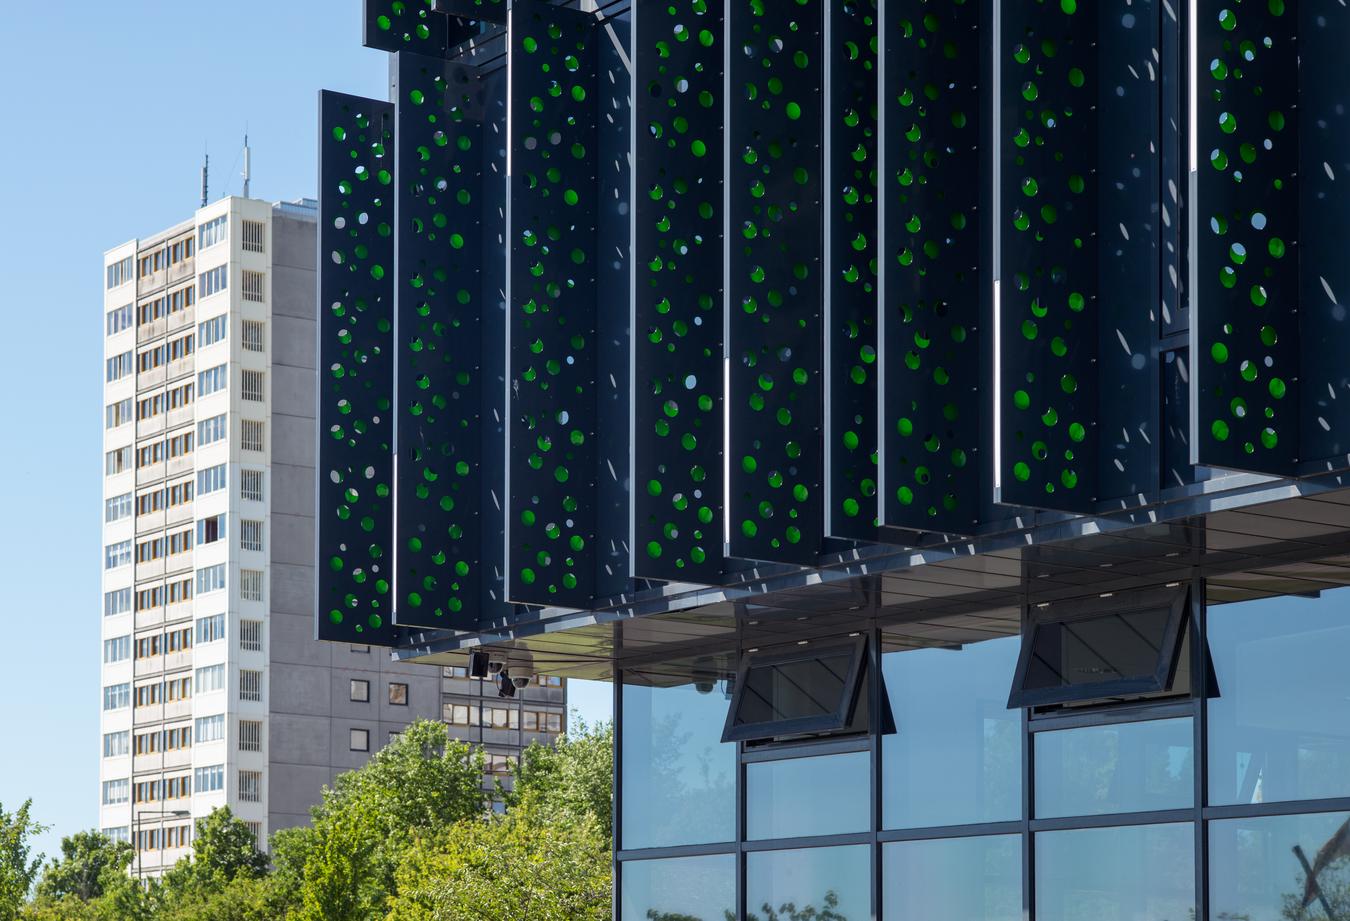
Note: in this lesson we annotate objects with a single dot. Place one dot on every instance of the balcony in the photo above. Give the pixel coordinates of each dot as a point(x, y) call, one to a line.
point(150, 617)
point(182, 610)
point(152, 426)
point(180, 367)
point(179, 465)
point(154, 761)
point(154, 569)
point(177, 661)
point(178, 709)
point(180, 416)
point(179, 320)
point(148, 379)
point(150, 473)
point(151, 521)
point(150, 713)
point(177, 758)
point(151, 282)
point(179, 271)
point(147, 331)
point(178, 514)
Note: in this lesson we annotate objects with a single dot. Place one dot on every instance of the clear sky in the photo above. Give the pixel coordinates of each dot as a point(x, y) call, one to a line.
point(108, 109)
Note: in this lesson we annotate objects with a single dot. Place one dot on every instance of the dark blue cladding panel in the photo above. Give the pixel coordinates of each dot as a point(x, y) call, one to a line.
point(851, 114)
point(551, 442)
point(775, 289)
point(678, 310)
point(438, 211)
point(935, 295)
point(356, 370)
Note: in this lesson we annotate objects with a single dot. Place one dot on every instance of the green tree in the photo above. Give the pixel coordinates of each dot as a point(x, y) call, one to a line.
point(575, 776)
point(527, 863)
point(221, 877)
point(18, 869)
point(90, 864)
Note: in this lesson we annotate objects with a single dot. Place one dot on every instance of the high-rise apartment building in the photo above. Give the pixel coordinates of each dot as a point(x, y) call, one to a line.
point(213, 691)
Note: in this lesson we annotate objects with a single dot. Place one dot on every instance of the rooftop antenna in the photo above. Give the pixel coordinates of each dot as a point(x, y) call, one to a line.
point(206, 173)
point(248, 163)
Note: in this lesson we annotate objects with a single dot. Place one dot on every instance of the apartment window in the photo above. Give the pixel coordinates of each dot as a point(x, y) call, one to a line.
point(148, 598)
point(180, 445)
point(119, 413)
point(251, 485)
point(251, 535)
point(398, 694)
point(251, 435)
point(255, 286)
point(119, 366)
point(552, 723)
point(182, 591)
point(120, 272)
point(253, 236)
point(211, 530)
point(250, 684)
point(212, 380)
point(180, 397)
point(213, 281)
point(119, 318)
point(179, 300)
point(117, 696)
point(147, 743)
point(211, 579)
point(254, 339)
point(210, 728)
point(359, 740)
point(459, 714)
point(209, 779)
point(117, 461)
point(116, 649)
point(146, 455)
point(255, 829)
point(147, 646)
point(177, 836)
point(250, 635)
point(359, 690)
point(179, 493)
point(119, 833)
point(151, 406)
point(253, 386)
point(214, 330)
point(116, 744)
point(250, 786)
point(178, 640)
point(499, 764)
point(210, 678)
point(211, 629)
point(181, 347)
point(250, 736)
point(213, 231)
point(548, 681)
point(211, 430)
point(118, 601)
point(178, 737)
point(116, 792)
point(212, 479)
point(117, 508)
point(118, 554)
point(250, 585)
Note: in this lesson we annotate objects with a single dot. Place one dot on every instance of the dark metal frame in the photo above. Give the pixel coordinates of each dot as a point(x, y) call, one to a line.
point(1163, 673)
point(813, 725)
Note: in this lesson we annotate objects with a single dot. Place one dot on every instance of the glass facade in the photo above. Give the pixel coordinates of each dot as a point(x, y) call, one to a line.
point(1225, 800)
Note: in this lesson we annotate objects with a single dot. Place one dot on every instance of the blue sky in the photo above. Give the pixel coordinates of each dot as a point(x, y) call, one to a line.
point(109, 107)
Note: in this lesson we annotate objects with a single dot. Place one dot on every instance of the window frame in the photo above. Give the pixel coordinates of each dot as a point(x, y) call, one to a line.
point(826, 724)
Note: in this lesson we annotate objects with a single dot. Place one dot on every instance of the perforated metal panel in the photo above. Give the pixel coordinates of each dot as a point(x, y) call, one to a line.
point(936, 296)
point(405, 25)
point(551, 452)
point(1245, 316)
point(438, 210)
point(678, 310)
point(486, 10)
point(775, 288)
point(356, 370)
point(1079, 222)
point(851, 326)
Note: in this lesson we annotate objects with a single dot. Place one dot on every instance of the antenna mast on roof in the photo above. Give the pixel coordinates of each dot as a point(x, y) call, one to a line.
point(206, 173)
point(248, 164)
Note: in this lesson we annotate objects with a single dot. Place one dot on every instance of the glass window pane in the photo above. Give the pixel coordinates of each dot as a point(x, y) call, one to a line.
point(955, 756)
point(811, 685)
point(970, 879)
point(683, 889)
point(1126, 767)
point(1278, 727)
point(809, 883)
point(828, 795)
point(1137, 873)
point(1255, 874)
point(679, 778)
point(1105, 648)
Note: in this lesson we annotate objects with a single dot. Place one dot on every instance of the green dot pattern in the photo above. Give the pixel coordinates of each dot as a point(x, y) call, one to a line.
point(852, 328)
point(1050, 250)
point(438, 268)
point(356, 373)
point(405, 25)
point(1247, 317)
point(775, 288)
point(933, 305)
point(551, 456)
point(485, 10)
point(678, 404)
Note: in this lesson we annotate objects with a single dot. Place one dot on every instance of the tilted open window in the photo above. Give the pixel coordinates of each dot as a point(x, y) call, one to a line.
point(808, 690)
point(1105, 648)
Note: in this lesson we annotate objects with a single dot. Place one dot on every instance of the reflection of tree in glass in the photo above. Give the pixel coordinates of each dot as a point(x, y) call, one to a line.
point(682, 774)
point(789, 911)
point(1324, 893)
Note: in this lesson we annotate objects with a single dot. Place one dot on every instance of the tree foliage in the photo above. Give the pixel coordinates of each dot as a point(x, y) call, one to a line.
point(18, 868)
point(90, 865)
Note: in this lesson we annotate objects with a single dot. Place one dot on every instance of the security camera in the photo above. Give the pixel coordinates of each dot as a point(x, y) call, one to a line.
point(521, 681)
point(704, 685)
point(505, 686)
point(496, 667)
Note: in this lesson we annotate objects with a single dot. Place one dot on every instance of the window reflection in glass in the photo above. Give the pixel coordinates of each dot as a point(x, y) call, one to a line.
point(809, 883)
point(678, 777)
point(1279, 726)
point(827, 795)
point(1125, 767)
point(1136, 873)
point(955, 756)
point(1256, 874)
point(971, 879)
point(682, 889)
